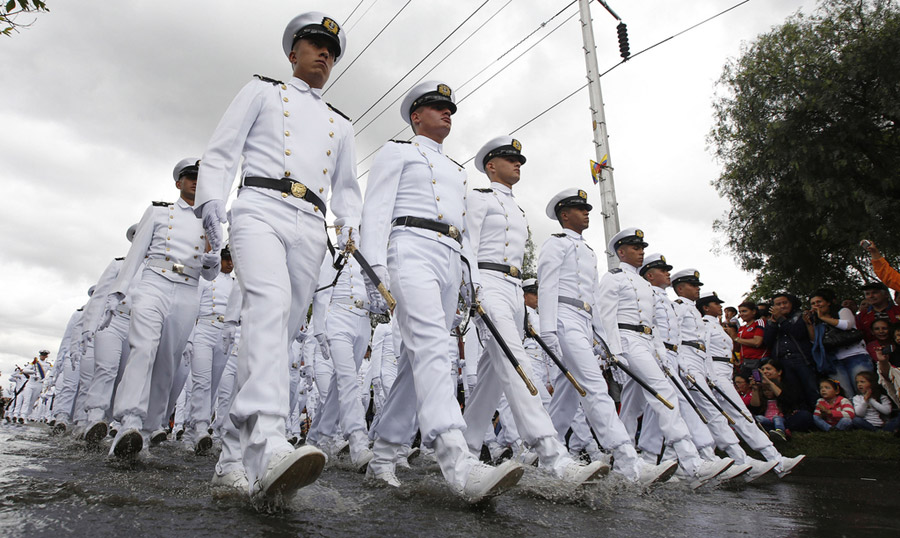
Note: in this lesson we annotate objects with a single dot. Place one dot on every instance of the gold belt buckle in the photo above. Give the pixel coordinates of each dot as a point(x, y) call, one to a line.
point(220, 319)
point(647, 330)
point(359, 303)
point(453, 232)
point(178, 268)
point(702, 347)
point(513, 271)
point(298, 190)
point(587, 307)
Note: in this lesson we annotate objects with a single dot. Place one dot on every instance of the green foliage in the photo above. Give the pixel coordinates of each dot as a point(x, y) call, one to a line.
point(807, 128)
point(528, 261)
point(13, 9)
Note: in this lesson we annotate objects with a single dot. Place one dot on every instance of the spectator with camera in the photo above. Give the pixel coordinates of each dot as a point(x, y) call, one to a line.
point(750, 337)
point(838, 345)
point(788, 393)
point(764, 406)
point(792, 346)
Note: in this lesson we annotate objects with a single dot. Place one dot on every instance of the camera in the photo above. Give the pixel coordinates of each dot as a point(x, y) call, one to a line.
point(756, 376)
point(865, 243)
point(888, 349)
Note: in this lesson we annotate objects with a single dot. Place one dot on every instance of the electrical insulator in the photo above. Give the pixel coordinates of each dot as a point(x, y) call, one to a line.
point(622, 30)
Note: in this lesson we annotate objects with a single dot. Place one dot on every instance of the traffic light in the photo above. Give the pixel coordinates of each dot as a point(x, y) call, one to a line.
point(622, 30)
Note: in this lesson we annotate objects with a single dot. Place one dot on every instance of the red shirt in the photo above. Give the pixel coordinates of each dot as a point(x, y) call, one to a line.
point(750, 331)
point(865, 319)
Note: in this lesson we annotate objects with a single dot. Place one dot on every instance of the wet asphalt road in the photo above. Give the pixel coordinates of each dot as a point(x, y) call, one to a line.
point(52, 486)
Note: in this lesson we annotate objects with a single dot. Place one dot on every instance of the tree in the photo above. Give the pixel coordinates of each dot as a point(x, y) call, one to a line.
point(11, 12)
point(806, 127)
point(528, 260)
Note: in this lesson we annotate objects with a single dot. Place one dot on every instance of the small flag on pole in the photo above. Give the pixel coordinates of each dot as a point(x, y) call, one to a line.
point(597, 167)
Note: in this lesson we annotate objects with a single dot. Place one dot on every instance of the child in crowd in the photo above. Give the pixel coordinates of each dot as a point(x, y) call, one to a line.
point(832, 409)
point(743, 389)
point(871, 404)
point(771, 419)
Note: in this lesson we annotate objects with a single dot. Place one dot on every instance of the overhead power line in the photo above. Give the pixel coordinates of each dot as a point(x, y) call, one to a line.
point(361, 17)
point(344, 72)
point(350, 16)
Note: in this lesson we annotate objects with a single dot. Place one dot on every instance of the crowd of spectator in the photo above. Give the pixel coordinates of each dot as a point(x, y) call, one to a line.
point(821, 364)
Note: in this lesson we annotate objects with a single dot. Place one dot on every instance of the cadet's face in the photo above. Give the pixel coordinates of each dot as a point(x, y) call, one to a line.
point(575, 218)
point(227, 266)
point(531, 300)
point(658, 277)
point(631, 254)
point(188, 187)
point(432, 121)
point(688, 291)
point(312, 59)
point(504, 170)
point(713, 309)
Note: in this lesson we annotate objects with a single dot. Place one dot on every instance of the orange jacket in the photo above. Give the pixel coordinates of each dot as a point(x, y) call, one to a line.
point(886, 273)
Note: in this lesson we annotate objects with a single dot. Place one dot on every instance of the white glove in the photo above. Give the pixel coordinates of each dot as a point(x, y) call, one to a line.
point(210, 259)
point(188, 354)
point(213, 215)
point(74, 358)
point(228, 335)
point(348, 233)
point(484, 334)
point(552, 341)
point(112, 300)
point(376, 301)
point(457, 319)
point(323, 345)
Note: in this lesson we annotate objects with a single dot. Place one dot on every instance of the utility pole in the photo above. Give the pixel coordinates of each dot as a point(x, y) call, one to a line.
point(609, 207)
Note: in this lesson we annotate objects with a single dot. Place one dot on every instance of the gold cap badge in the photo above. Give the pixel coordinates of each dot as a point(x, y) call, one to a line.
point(517, 145)
point(696, 274)
point(331, 26)
point(444, 90)
point(582, 195)
point(639, 234)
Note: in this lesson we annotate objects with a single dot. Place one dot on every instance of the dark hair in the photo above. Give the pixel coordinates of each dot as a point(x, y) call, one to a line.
point(795, 302)
point(730, 308)
point(835, 384)
point(829, 296)
point(773, 362)
point(750, 305)
point(877, 390)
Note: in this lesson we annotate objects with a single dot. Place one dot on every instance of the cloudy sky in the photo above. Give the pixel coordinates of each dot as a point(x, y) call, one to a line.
point(100, 100)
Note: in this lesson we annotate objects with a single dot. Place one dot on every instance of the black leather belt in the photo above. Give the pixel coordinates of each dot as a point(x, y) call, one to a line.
point(696, 345)
point(721, 359)
point(287, 186)
point(670, 347)
point(636, 328)
point(417, 222)
point(510, 270)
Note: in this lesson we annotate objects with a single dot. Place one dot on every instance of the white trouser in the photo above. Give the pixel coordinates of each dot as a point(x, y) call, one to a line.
point(327, 416)
point(652, 438)
point(65, 392)
point(505, 307)
point(576, 340)
point(641, 356)
point(473, 349)
point(162, 314)
point(180, 380)
point(208, 361)
point(347, 332)
point(181, 403)
point(20, 400)
point(225, 393)
point(536, 359)
point(277, 252)
point(717, 424)
point(581, 438)
point(85, 375)
point(749, 431)
point(31, 394)
point(110, 348)
point(425, 277)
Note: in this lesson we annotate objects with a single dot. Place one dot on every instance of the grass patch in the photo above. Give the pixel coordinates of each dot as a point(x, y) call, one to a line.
point(856, 445)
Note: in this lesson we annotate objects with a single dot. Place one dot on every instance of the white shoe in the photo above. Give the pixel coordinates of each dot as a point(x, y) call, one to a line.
point(412, 454)
point(158, 437)
point(709, 470)
point(341, 449)
point(289, 471)
point(652, 474)
point(127, 444)
point(233, 481)
point(786, 465)
point(577, 474)
point(203, 444)
point(485, 481)
point(96, 432)
point(386, 478)
point(736, 470)
point(759, 468)
point(362, 461)
point(528, 457)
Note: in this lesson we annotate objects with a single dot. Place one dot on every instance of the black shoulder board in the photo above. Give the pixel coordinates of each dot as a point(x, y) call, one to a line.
point(615, 270)
point(484, 190)
point(560, 234)
point(589, 248)
point(338, 112)
point(679, 301)
point(400, 141)
point(705, 320)
point(269, 80)
point(454, 162)
point(120, 259)
point(80, 309)
point(161, 204)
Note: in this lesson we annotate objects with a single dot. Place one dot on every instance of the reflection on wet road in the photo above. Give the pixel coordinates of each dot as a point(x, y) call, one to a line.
point(51, 485)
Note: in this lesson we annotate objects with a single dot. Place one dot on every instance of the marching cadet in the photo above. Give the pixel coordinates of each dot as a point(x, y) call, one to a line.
point(568, 299)
point(67, 383)
point(541, 366)
point(416, 197)
point(626, 309)
point(297, 150)
point(346, 328)
point(655, 270)
point(719, 349)
point(208, 358)
point(498, 231)
point(695, 365)
point(38, 369)
point(163, 308)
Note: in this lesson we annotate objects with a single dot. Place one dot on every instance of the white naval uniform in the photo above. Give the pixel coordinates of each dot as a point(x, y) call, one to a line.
point(498, 232)
point(208, 359)
point(32, 392)
point(347, 330)
point(667, 329)
point(65, 369)
point(626, 298)
point(721, 345)
point(277, 240)
point(567, 267)
point(425, 267)
point(541, 365)
point(698, 364)
point(163, 308)
point(383, 364)
point(224, 427)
